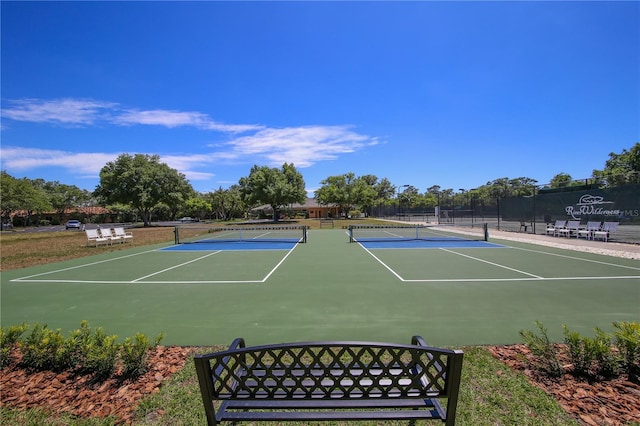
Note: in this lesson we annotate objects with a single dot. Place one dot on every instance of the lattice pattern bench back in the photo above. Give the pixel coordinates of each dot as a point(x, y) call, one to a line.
point(331, 370)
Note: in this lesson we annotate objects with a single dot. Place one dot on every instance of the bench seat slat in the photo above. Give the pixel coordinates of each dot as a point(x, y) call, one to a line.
point(334, 396)
point(329, 404)
point(327, 415)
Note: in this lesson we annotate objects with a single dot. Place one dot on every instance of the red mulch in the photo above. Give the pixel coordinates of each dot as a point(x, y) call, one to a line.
point(612, 402)
point(78, 395)
point(615, 402)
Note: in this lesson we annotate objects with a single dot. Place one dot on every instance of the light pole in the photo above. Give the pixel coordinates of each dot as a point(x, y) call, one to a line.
point(462, 191)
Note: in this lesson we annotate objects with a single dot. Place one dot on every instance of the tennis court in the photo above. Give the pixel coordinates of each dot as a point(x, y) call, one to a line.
point(463, 292)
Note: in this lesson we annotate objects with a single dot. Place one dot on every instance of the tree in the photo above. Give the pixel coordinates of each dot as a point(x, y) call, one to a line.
point(522, 186)
point(21, 194)
point(339, 191)
point(561, 180)
point(226, 203)
point(408, 197)
point(197, 207)
point(621, 169)
point(178, 197)
point(9, 200)
point(273, 186)
point(64, 197)
point(143, 182)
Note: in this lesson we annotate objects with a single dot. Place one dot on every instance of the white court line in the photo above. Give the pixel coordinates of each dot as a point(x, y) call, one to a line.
point(77, 267)
point(493, 264)
point(137, 281)
point(462, 280)
point(279, 263)
point(176, 266)
point(531, 277)
point(382, 263)
point(577, 258)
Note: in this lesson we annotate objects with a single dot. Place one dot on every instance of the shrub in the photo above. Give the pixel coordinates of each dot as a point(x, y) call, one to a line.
point(581, 353)
point(77, 346)
point(134, 354)
point(543, 350)
point(101, 355)
point(606, 359)
point(9, 336)
point(43, 349)
point(627, 339)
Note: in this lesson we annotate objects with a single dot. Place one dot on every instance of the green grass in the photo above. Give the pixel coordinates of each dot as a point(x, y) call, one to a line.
point(491, 394)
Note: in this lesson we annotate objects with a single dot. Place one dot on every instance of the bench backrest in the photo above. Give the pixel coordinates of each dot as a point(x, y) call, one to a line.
point(573, 224)
point(92, 234)
point(593, 225)
point(331, 370)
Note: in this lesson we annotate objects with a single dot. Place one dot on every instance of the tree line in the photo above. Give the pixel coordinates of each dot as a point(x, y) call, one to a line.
point(141, 187)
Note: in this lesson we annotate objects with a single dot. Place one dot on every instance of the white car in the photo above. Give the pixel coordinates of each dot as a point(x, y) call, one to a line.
point(187, 219)
point(73, 224)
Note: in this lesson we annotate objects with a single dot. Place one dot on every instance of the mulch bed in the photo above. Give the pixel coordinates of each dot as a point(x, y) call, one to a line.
point(615, 402)
point(78, 395)
point(612, 402)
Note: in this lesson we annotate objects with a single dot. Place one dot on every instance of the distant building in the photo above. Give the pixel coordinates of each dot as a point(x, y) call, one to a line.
point(310, 209)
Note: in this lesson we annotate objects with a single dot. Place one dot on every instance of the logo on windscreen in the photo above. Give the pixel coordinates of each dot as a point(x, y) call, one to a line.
point(591, 205)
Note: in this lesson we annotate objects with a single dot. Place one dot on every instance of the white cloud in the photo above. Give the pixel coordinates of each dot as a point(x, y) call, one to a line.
point(187, 163)
point(302, 146)
point(87, 112)
point(173, 119)
point(31, 158)
point(85, 164)
point(57, 111)
point(161, 118)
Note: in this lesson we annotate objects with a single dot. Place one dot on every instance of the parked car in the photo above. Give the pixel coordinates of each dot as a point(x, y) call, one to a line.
point(188, 219)
point(73, 224)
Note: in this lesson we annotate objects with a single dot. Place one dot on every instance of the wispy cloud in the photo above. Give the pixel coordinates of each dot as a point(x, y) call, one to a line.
point(172, 119)
point(75, 112)
point(89, 164)
point(89, 112)
point(82, 163)
point(302, 146)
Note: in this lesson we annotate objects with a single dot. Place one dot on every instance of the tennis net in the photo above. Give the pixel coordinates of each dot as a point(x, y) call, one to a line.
point(440, 232)
point(275, 234)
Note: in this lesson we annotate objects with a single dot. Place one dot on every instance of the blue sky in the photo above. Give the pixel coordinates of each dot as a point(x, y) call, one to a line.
point(454, 94)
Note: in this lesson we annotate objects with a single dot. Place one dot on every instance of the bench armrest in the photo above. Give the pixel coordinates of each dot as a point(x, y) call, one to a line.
point(206, 381)
point(418, 341)
point(237, 343)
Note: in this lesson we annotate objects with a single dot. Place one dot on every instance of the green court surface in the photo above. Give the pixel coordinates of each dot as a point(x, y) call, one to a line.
point(329, 289)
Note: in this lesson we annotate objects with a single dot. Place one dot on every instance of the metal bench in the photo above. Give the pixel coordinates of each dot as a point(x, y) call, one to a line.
point(336, 381)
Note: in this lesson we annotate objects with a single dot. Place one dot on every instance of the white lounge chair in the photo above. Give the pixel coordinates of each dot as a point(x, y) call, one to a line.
point(608, 228)
point(553, 229)
point(111, 235)
point(570, 228)
point(588, 231)
point(126, 236)
point(93, 236)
